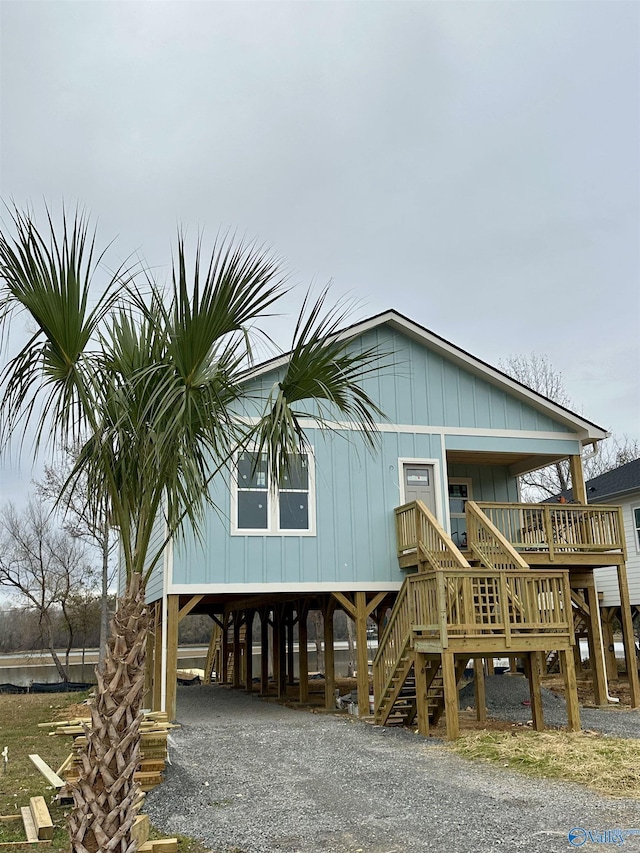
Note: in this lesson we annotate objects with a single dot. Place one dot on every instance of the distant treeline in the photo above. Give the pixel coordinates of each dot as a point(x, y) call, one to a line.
point(21, 629)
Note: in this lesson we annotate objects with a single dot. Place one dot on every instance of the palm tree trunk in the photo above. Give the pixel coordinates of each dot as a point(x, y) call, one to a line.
point(105, 794)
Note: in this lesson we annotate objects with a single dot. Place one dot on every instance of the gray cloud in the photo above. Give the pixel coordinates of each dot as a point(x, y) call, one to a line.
point(474, 165)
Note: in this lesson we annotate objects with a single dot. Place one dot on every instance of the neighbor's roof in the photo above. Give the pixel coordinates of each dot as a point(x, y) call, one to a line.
point(611, 484)
point(587, 431)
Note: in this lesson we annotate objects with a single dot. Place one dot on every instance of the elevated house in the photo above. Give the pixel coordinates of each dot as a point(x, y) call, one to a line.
point(618, 487)
point(427, 536)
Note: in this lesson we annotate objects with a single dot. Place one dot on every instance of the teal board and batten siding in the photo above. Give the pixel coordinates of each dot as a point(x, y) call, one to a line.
point(356, 492)
point(155, 582)
point(420, 386)
point(355, 495)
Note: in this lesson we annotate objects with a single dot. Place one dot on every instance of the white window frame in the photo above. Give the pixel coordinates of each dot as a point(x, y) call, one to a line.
point(273, 504)
point(459, 481)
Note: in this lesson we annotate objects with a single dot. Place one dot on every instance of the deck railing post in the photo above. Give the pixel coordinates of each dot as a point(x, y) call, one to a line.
point(442, 609)
point(548, 531)
point(504, 608)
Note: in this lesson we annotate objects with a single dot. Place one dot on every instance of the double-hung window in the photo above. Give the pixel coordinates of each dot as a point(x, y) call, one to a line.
point(260, 509)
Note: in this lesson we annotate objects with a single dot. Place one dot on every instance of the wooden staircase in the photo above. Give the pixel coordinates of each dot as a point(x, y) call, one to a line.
point(453, 608)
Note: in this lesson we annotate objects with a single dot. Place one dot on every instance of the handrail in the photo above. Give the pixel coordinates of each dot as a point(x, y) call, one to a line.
point(558, 528)
point(417, 529)
point(393, 643)
point(451, 605)
point(486, 540)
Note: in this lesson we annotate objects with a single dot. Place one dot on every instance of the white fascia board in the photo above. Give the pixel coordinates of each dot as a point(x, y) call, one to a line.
point(587, 432)
point(274, 588)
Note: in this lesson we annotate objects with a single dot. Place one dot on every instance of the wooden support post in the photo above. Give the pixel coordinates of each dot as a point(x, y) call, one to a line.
point(598, 674)
point(248, 650)
point(627, 636)
point(237, 654)
point(282, 669)
point(225, 649)
point(607, 614)
point(173, 604)
point(450, 695)
point(570, 690)
point(422, 701)
point(491, 670)
point(264, 651)
point(577, 479)
point(275, 647)
point(329, 659)
point(533, 674)
point(479, 689)
point(290, 650)
point(157, 658)
point(303, 651)
point(362, 654)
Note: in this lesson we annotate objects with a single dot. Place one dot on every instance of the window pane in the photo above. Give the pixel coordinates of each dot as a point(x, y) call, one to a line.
point(252, 472)
point(458, 490)
point(294, 511)
point(297, 477)
point(417, 476)
point(252, 510)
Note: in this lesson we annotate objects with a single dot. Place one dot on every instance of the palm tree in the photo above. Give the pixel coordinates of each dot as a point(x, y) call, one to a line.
point(150, 383)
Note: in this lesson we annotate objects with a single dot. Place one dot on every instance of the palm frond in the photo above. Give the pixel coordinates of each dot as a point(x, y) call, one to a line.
point(323, 369)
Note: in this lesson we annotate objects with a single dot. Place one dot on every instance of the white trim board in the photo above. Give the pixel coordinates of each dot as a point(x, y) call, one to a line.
point(253, 588)
point(423, 429)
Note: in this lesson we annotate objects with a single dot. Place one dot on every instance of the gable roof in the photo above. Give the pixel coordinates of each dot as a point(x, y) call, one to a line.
point(611, 484)
point(588, 432)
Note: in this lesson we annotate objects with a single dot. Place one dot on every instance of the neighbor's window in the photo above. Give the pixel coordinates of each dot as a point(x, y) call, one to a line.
point(636, 521)
point(260, 508)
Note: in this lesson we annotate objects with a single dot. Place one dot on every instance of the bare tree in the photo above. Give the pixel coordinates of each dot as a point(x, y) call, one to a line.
point(536, 372)
point(44, 566)
point(85, 521)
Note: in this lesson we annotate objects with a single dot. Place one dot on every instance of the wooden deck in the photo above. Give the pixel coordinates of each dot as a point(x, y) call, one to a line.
point(515, 536)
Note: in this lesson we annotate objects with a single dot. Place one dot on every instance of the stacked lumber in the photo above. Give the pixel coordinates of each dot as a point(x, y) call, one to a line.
point(37, 823)
point(154, 731)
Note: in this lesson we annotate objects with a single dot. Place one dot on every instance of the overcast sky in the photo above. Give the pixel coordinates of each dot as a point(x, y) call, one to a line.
point(473, 165)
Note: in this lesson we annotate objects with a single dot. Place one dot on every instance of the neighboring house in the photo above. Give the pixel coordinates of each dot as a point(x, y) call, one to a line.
point(619, 487)
point(457, 436)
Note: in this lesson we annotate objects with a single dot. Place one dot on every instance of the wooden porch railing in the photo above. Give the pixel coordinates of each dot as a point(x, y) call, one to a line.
point(557, 528)
point(394, 642)
point(488, 543)
point(471, 604)
point(417, 529)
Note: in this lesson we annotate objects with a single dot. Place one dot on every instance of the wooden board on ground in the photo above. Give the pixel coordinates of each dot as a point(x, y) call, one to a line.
point(41, 818)
point(162, 845)
point(29, 826)
point(140, 829)
point(49, 774)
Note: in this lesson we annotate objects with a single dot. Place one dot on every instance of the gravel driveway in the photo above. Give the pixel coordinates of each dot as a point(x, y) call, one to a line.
point(253, 776)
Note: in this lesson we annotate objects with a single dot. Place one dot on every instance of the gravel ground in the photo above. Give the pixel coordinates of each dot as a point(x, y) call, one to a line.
point(505, 695)
point(254, 776)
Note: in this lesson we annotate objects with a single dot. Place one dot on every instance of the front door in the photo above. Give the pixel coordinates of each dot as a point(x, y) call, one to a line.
point(419, 485)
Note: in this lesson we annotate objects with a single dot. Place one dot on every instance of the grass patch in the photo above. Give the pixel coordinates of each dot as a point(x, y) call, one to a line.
point(19, 718)
point(604, 764)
